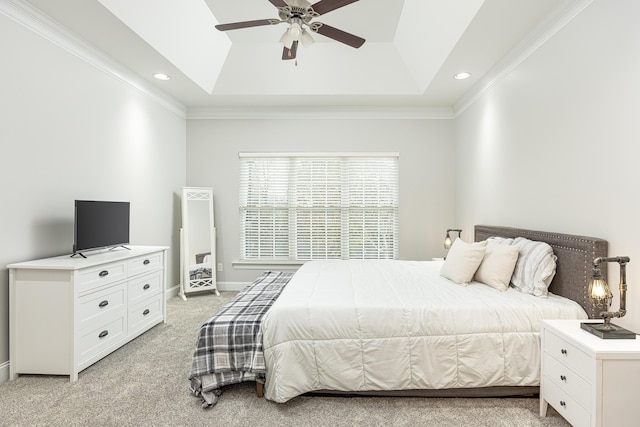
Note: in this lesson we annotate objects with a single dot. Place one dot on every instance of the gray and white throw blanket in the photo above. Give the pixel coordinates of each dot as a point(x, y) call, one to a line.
point(229, 347)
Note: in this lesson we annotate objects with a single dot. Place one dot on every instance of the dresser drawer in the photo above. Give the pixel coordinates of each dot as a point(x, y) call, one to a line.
point(567, 380)
point(105, 274)
point(99, 307)
point(93, 341)
point(565, 405)
point(144, 313)
point(146, 263)
point(145, 286)
point(569, 355)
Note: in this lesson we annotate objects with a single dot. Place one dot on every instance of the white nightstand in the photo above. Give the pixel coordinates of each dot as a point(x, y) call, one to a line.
point(588, 380)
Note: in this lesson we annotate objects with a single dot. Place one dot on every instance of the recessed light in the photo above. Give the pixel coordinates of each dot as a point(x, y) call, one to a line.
point(462, 76)
point(162, 76)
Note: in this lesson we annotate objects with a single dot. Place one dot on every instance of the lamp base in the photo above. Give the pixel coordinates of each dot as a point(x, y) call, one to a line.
point(614, 332)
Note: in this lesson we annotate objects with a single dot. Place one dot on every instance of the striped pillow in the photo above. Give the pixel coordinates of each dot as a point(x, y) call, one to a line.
point(535, 267)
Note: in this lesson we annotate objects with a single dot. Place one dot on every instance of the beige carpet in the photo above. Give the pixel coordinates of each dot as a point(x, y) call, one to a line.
point(146, 383)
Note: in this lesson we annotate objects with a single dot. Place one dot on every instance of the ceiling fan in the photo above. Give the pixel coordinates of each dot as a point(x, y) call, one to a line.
point(299, 14)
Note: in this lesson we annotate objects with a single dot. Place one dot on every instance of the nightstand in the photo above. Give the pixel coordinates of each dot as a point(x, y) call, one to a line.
point(588, 380)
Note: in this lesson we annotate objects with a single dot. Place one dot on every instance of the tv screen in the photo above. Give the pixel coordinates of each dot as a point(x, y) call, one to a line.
point(100, 224)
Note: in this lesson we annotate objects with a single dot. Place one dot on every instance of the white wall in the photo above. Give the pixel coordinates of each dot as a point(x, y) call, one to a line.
point(426, 172)
point(70, 131)
point(555, 146)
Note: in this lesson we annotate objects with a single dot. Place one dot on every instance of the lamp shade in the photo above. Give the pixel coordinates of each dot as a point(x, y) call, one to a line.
point(294, 33)
point(306, 38)
point(447, 242)
point(599, 293)
point(286, 40)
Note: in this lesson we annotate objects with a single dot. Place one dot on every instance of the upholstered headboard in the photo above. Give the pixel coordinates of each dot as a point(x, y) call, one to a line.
point(575, 257)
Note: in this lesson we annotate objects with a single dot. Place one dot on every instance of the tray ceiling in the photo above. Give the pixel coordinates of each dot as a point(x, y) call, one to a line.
point(413, 48)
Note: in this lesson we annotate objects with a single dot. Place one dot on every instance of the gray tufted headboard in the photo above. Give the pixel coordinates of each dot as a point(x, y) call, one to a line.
point(575, 256)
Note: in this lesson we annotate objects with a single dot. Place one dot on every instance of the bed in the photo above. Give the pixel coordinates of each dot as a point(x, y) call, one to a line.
point(397, 327)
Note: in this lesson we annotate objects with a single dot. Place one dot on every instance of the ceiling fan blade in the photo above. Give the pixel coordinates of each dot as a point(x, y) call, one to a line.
point(279, 3)
point(325, 6)
point(246, 24)
point(290, 54)
point(338, 35)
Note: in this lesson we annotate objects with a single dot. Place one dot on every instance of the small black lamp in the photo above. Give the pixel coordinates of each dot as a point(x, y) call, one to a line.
point(447, 240)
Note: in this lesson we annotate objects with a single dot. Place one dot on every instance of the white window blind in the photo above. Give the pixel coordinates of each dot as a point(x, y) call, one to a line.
point(318, 206)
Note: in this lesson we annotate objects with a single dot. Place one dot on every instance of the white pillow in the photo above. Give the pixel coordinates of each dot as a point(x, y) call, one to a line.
point(497, 265)
point(535, 268)
point(462, 261)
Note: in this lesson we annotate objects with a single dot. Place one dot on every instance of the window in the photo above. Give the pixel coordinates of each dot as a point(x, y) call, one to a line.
point(318, 206)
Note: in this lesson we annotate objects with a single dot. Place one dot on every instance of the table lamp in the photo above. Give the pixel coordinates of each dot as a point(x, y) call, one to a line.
point(600, 296)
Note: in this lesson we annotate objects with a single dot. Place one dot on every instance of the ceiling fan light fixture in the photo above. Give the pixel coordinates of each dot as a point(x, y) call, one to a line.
point(293, 34)
point(299, 15)
point(286, 40)
point(295, 31)
point(306, 39)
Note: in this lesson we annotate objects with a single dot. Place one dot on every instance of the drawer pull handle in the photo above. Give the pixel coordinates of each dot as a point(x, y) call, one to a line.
point(563, 378)
point(563, 351)
point(146, 262)
point(144, 313)
point(563, 403)
point(146, 286)
point(103, 334)
point(103, 273)
point(103, 304)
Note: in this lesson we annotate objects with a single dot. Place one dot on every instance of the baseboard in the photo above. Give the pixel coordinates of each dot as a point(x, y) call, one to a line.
point(222, 286)
point(172, 292)
point(232, 286)
point(4, 372)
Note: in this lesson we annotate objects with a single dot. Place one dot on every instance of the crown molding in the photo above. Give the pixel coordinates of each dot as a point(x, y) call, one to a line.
point(33, 19)
point(537, 38)
point(320, 113)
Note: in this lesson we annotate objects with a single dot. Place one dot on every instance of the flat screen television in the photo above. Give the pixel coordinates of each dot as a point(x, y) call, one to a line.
point(100, 224)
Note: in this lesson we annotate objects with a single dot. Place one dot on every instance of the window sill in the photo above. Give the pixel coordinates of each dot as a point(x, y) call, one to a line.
point(266, 264)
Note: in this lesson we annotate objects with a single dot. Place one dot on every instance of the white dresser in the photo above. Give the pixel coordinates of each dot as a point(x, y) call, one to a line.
point(588, 380)
point(67, 313)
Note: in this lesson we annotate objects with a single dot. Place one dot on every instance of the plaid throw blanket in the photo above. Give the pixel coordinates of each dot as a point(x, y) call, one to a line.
point(229, 346)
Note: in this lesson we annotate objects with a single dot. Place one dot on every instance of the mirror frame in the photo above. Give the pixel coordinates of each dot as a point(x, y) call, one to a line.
point(188, 285)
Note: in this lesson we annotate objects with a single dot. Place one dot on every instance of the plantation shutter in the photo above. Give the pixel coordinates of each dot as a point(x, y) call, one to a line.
point(318, 206)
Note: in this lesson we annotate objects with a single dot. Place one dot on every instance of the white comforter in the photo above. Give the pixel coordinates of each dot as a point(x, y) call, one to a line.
point(396, 325)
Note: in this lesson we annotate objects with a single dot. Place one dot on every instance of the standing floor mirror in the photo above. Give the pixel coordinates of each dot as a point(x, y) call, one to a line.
point(198, 242)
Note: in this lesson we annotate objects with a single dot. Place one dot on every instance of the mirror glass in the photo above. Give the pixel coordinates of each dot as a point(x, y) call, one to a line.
point(198, 241)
